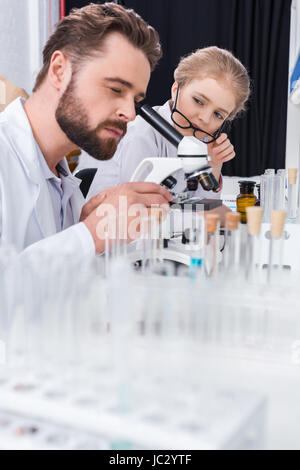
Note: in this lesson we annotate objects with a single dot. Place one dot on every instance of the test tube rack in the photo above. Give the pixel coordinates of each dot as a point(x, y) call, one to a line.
point(39, 415)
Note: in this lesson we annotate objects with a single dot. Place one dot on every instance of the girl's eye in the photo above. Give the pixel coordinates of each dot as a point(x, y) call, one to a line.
point(116, 90)
point(219, 116)
point(197, 101)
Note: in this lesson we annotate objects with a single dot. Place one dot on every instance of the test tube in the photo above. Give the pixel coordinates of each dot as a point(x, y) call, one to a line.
point(254, 218)
point(292, 194)
point(276, 244)
point(232, 243)
point(263, 179)
point(156, 235)
point(106, 253)
point(267, 195)
point(148, 243)
point(121, 320)
point(110, 235)
point(123, 233)
point(272, 194)
point(277, 193)
point(211, 248)
point(145, 238)
point(196, 245)
point(281, 173)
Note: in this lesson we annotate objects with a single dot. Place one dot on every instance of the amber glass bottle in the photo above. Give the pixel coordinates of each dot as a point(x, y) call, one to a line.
point(246, 198)
point(258, 192)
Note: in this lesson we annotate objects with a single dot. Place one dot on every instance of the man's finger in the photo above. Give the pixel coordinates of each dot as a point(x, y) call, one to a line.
point(92, 204)
point(152, 199)
point(146, 187)
point(95, 201)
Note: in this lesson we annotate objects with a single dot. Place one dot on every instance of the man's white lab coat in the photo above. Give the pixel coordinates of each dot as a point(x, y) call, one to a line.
point(26, 213)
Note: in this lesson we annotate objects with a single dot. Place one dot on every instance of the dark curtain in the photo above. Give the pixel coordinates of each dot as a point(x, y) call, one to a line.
point(257, 32)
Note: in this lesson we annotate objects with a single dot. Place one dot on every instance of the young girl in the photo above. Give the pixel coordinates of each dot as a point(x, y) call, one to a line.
point(211, 87)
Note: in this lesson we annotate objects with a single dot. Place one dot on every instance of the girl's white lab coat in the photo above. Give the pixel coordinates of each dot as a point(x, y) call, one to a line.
point(26, 214)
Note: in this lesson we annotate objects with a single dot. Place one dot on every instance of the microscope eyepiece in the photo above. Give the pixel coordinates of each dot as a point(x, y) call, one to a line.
point(159, 123)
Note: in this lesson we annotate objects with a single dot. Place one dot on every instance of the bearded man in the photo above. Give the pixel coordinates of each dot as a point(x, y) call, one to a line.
point(96, 67)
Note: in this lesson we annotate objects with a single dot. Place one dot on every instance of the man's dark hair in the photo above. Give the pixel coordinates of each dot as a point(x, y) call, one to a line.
point(81, 34)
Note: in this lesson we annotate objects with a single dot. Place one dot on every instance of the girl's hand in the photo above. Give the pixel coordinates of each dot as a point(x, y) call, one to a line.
point(220, 151)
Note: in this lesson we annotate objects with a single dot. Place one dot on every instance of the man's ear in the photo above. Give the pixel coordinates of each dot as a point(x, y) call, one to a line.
point(59, 70)
point(173, 90)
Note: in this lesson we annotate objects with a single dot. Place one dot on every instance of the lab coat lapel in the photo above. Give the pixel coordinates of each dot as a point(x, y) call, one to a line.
point(26, 149)
point(77, 201)
point(44, 210)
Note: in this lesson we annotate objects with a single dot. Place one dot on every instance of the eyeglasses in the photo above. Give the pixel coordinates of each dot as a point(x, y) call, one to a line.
point(184, 123)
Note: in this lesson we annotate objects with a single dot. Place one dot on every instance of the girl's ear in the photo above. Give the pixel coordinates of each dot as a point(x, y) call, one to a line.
point(173, 90)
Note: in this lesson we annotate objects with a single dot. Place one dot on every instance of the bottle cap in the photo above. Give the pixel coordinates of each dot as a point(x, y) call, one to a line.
point(292, 174)
point(232, 220)
point(277, 223)
point(254, 218)
point(211, 222)
point(247, 187)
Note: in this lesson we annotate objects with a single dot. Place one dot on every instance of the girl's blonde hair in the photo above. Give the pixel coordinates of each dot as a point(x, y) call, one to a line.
point(219, 64)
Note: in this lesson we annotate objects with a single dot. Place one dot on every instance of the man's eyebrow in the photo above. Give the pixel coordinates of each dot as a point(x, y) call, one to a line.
point(124, 83)
point(207, 99)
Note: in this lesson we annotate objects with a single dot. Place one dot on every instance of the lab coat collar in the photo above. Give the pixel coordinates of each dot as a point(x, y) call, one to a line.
point(27, 154)
point(64, 165)
point(25, 146)
point(165, 112)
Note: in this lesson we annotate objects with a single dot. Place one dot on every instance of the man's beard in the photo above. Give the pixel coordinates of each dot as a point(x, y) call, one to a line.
point(72, 118)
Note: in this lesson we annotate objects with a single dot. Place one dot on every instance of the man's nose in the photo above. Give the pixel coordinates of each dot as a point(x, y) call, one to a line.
point(126, 112)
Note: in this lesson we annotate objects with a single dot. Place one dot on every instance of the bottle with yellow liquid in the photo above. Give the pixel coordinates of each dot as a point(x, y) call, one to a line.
point(246, 198)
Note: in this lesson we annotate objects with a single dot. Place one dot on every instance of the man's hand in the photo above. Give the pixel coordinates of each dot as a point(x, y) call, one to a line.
point(220, 151)
point(124, 205)
point(92, 204)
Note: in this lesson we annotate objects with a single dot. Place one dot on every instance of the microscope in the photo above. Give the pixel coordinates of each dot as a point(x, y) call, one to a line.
point(192, 159)
point(183, 226)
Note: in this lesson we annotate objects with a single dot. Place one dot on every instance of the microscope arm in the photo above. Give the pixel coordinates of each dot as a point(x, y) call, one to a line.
point(160, 169)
